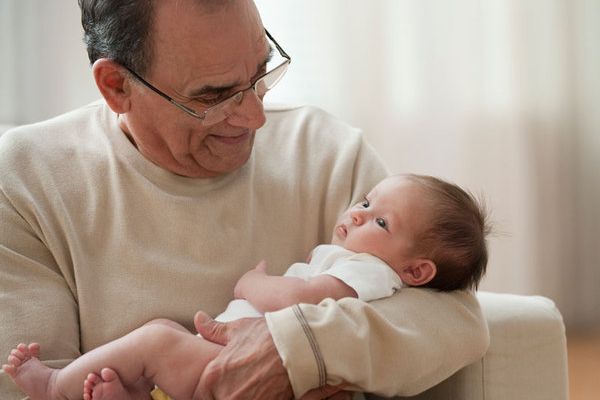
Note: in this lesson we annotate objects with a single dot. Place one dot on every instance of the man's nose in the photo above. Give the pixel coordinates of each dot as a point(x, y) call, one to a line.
point(249, 113)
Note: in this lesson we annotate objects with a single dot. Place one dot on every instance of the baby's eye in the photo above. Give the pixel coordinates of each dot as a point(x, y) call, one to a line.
point(365, 203)
point(382, 223)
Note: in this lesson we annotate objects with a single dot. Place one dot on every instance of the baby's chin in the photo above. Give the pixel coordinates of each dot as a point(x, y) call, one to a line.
point(337, 241)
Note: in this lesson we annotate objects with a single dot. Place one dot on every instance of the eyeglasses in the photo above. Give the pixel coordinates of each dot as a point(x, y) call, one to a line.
point(225, 108)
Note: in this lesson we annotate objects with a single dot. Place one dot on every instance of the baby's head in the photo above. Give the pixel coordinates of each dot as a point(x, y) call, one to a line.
point(431, 232)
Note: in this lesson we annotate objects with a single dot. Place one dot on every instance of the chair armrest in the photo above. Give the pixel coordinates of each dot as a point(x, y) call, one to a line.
point(527, 357)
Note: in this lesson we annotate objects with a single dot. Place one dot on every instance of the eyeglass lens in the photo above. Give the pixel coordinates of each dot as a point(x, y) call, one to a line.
point(221, 111)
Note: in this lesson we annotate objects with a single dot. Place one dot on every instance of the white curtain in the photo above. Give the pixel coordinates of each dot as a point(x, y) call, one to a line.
point(44, 69)
point(499, 96)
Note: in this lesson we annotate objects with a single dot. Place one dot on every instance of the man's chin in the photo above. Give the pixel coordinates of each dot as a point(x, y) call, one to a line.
point(225, 157)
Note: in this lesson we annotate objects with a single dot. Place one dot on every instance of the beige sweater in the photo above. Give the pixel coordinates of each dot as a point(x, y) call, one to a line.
point(95, 240)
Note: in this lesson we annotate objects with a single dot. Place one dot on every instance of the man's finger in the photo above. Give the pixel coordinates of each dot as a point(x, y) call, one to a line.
point(207, 381)
point(211, 330)
point(248, 367)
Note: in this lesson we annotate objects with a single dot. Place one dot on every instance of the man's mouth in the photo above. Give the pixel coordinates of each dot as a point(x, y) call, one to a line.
point(232, 139)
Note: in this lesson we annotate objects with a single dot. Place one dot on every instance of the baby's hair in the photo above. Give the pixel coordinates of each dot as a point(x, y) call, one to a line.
point(455, 235)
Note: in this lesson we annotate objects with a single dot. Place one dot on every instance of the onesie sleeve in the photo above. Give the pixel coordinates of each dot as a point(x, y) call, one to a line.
point(370, 277)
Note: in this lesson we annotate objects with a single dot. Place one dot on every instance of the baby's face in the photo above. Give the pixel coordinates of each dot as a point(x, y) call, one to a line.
point(385, 223)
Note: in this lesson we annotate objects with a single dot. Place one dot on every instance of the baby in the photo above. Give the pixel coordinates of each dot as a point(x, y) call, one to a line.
point(410, 230)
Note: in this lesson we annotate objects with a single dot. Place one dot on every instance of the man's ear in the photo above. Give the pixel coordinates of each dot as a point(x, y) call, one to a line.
point(113, 83)
point(418, 272)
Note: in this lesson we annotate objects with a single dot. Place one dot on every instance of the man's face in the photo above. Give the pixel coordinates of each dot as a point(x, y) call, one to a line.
point(385, 223)
point(199, 58)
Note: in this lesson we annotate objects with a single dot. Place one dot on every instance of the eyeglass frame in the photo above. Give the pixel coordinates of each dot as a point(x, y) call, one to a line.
point(240, 93)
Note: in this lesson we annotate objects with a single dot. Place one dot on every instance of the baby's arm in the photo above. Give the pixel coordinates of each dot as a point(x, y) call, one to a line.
point(270, 293)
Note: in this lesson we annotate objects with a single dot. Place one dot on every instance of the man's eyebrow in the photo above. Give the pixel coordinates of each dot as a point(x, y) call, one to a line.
point(210, 89)
point(269, 55)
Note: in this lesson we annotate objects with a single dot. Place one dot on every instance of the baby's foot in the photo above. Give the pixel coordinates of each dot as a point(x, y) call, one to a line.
point(28, 373)
point(104, 386)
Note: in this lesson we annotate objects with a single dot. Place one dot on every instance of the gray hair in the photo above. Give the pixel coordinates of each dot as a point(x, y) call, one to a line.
point(122, 30)
point(119, 30)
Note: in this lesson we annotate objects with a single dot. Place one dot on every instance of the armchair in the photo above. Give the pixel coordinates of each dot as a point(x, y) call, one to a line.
point(527, 357)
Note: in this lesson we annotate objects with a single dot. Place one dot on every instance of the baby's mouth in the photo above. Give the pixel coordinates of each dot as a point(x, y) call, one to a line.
point(342, 231)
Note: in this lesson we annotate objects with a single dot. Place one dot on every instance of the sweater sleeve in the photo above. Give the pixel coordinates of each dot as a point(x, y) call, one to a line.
point(399, 345)
point(36, 302)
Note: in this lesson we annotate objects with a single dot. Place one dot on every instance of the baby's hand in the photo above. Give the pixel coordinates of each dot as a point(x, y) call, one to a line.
point(248, 281)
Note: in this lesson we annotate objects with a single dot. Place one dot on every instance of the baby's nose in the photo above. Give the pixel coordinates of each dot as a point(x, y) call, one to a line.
point(358, 217)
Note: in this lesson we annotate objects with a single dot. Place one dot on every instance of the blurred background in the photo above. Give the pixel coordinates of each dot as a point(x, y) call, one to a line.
point(499, 96)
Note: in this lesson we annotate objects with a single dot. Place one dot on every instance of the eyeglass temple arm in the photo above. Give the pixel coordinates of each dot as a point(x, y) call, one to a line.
point(283, 53)
point(163, 95)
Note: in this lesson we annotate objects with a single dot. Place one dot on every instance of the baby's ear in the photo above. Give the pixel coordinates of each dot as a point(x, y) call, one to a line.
point(418, 272)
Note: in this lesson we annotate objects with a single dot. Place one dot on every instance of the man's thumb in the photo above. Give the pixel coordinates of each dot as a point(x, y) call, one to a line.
point(210, 329)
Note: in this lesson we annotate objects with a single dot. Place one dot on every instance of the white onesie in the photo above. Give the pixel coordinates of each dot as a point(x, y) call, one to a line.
point(368, 275)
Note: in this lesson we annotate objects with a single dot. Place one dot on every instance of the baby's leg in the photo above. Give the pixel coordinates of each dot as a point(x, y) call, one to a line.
point(107, 385)
point(40, 382)
point(180, 360)
point(171, 358)
point(28, 373)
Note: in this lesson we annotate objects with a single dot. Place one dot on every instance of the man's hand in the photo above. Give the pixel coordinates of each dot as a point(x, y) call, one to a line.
point(248, 367)
point(247, 282)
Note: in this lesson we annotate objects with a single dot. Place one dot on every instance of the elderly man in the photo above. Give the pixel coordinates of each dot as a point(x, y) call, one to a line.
point(154, 201)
